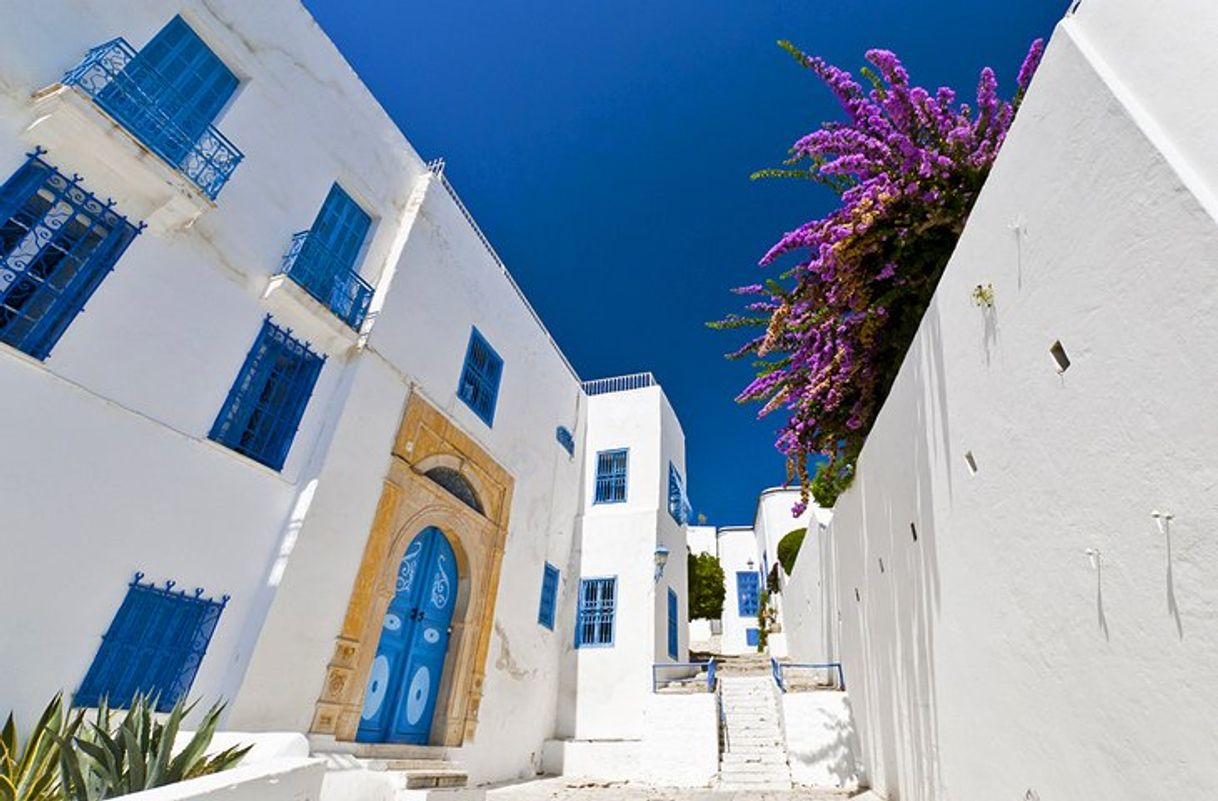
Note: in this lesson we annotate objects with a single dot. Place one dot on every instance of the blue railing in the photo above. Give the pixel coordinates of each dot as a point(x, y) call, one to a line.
point(621, 383)
point(324, 276)
point(709, 666)
point(777, 669)
point(149, 107)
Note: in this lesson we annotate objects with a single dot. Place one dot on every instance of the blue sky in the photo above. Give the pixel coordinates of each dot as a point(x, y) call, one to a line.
point(605, 148)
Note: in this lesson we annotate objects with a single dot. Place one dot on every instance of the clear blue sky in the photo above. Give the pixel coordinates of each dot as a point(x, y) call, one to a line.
point(605, 148)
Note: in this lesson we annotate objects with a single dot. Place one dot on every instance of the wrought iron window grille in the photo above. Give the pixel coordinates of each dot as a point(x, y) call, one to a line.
point(611, 471)
point(597, 610)
point(154, 646)
point(58, 241)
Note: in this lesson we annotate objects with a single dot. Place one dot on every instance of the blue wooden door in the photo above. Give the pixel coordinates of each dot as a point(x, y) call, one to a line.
point(404, 682)
point(171, 91)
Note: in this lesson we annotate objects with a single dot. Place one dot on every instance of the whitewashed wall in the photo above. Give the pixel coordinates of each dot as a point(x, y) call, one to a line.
point(107, 466)
point(991, 659)
point(737, 547)
point(604, 688)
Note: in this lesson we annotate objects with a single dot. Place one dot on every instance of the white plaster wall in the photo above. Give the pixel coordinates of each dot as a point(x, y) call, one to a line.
point(808, 598)
point(991, 660)
point(737, 546)
point(822, 745)
point(604, 688)
point(677, 747)
point(106, 458)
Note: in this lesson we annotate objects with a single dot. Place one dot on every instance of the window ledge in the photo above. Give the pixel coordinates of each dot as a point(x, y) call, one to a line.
point(80, 137)
point(290, 304)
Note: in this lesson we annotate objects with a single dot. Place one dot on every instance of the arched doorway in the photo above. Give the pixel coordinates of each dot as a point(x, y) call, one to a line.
point(404, 682)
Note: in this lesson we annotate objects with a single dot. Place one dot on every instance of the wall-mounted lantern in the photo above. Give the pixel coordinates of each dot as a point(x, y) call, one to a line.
point(661, 560)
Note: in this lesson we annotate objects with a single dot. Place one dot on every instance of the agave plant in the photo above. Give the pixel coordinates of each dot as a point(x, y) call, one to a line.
point(28, 773)
point(104, 761)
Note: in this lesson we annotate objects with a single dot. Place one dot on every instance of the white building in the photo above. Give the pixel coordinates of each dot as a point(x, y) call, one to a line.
point(368, 454)
point(1025, 565)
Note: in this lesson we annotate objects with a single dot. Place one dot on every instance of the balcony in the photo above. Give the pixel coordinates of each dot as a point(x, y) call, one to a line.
point(150, 109)
point(324, 276)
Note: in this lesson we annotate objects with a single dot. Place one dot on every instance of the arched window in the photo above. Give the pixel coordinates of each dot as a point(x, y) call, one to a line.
point(457, 485)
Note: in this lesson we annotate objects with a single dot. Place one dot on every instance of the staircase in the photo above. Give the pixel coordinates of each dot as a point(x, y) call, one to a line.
point(754, 752)
point(366, 770)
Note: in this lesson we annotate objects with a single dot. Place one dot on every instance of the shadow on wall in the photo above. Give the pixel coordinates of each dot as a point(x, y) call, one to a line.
point(890, 629)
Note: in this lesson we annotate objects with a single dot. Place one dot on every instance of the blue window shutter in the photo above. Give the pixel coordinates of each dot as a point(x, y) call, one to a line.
point(594, 625)
point(678, 507)
point(549, 596)
point(266, 402)
point(184, 79)
point(611, 473)
point(480, 375)
point(563, 435)
point(154, 645)
point(748, 588)
point(57, 243)
point(341, 226)
point(672, 623)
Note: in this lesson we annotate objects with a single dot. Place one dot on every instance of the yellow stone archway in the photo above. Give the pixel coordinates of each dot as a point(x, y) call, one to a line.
point(409, 503)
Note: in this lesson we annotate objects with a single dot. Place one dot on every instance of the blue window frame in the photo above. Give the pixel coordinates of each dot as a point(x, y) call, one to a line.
point(57, 243)
point(611, 476)
point(752, 637)
point(565, 439)
point(264, 406)
point(549, 596)
point(672, 623)
point(322, 259)
point(597, 610)
point(678, 504)
point(480, 375)
point(154, 646)
point(167, 96)
point(748, 590)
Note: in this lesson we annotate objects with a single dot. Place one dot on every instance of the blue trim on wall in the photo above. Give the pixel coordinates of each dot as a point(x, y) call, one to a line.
point(154, 645)
point(612, 469)
point(596, 619)
point(672, 623)
point(549, 596)
point(478, 386)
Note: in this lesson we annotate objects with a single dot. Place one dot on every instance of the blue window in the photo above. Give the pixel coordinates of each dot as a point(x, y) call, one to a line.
point(549, 594)
point(752, 637)
point(748, 588)
point(167, 96)
point(678, 505)
point(322, 259)
point(672, 623)
point(57, 243)
point(611, 476)
point(267, 400)
point(480, 376)
point(597, 608)
point(565, 439)
point(154, 646)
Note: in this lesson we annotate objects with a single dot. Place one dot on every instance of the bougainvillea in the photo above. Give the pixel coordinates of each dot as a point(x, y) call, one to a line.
point(907, 164)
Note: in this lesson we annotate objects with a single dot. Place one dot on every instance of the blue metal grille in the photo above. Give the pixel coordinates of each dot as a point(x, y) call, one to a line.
point(166, 96)
point(322, 259)
point(597, 607)
point(672, 623)
point(479, 386)
point(748, 588)
point(611, 476)
point(549, 596)
point(565, 439)
point(264, 406)
point(57, 243)
point(678, 504)
point(154, 646)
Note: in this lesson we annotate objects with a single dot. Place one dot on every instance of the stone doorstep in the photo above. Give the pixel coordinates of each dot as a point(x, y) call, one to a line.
point(755, 767)
point(421, 780)
point(754, 739)
point(410, 765)
point(733, 760)
point(765, 785)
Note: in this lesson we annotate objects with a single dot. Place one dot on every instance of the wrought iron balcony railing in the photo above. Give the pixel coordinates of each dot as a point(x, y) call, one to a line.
point(149, 107)
point(323, 275)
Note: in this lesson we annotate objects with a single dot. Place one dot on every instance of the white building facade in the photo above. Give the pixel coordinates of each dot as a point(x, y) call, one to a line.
point(251, 343)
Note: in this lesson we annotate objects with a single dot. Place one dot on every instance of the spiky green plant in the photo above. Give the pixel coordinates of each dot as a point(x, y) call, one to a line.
point(29, 772)
point(105, 761)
